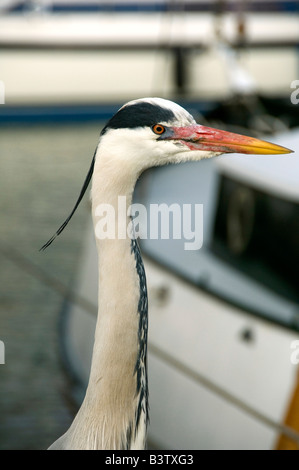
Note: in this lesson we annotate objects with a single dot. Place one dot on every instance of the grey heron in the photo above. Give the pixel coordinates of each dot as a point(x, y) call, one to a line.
point(143, 133)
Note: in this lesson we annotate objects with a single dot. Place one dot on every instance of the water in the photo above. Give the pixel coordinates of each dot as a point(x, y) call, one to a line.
point(42, 169)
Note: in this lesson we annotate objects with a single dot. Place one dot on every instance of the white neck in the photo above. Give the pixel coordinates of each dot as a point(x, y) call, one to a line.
point(114, 412)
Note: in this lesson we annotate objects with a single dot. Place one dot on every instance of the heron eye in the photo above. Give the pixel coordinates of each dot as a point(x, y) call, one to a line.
point(158, 129)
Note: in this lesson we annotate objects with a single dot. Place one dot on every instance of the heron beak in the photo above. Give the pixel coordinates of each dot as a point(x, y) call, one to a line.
point(199, 137)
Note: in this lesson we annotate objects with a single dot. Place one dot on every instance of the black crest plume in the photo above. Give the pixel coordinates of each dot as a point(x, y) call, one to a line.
point(82, 192)
point(129, 116)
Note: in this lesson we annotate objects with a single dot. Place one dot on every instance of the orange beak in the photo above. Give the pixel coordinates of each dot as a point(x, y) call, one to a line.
point(199, 137)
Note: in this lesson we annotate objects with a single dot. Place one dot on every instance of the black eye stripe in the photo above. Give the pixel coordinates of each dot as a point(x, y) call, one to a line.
point(139, 115)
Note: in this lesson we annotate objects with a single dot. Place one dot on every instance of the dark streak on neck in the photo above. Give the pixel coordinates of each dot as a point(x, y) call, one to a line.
point(141, 363)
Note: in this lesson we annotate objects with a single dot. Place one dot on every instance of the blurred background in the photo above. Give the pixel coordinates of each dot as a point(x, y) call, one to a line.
point(223, 367)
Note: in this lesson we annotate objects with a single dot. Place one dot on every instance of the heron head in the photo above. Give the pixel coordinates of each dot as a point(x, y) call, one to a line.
point(153, 131)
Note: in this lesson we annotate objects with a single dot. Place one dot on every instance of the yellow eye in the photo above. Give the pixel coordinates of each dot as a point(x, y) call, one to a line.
point(158, 129)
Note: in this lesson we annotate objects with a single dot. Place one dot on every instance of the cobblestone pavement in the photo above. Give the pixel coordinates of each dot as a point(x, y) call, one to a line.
point(42, 169)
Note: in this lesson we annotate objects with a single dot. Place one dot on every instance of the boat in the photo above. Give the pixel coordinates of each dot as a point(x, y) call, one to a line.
point(222, 318)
